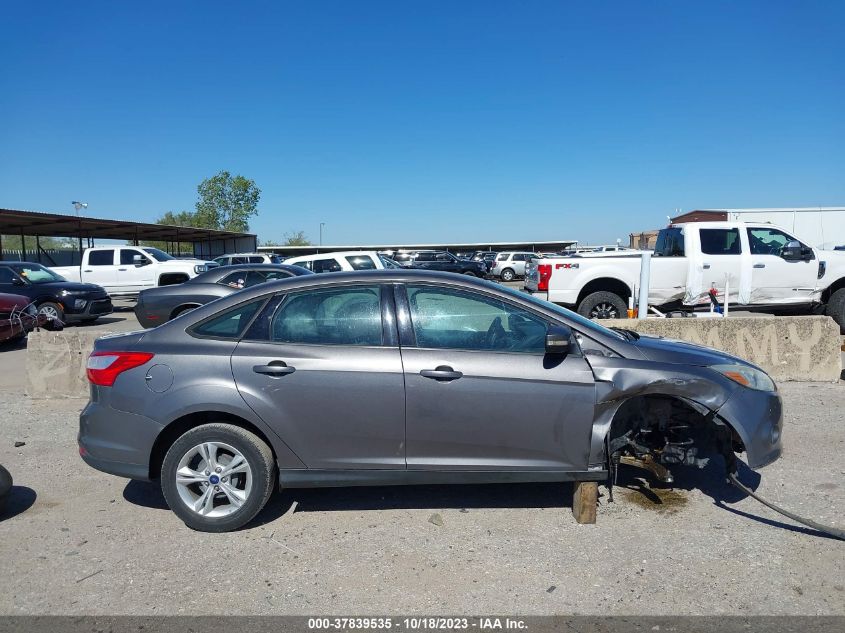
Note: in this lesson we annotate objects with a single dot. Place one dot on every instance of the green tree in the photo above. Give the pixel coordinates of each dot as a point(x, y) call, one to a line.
point(226, 202)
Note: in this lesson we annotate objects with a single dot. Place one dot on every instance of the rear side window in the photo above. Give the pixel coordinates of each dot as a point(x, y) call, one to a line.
point(101, 258)
point(256, 259)
point(326, 266)
point(229, 324)
point(670, 243)
point(361, 262)
point(503, 257)
point(337, 316)
point(6, 275)
point(720, 241)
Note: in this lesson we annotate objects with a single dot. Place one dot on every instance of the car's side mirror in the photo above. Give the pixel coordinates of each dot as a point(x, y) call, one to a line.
point(792, 251)
point(139, 260)
point(558, 340)
point(17, 281)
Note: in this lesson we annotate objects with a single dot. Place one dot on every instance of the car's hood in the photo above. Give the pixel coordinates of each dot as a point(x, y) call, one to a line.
point(70, 286)
point(667, 350)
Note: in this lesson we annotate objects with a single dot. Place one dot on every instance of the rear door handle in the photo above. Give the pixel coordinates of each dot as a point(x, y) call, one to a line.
point(442, 373)
point(706, 266)
point(276, 368)
point(88, 271)
point(759, 265)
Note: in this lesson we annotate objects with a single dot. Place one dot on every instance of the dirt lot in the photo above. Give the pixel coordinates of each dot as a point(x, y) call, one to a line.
point(75, 541)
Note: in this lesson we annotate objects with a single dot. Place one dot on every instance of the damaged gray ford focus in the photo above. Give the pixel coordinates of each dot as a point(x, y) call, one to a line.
point(405, 377)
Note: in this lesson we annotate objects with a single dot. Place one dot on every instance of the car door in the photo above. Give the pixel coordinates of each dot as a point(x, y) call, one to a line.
point(131, 276)
point(721, 252)
point(322, 367)
point(101, 268)
point(775, 279)
point(480, 392)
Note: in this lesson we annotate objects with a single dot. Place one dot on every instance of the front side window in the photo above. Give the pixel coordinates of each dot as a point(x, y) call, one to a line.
point(444, 318)
point(361, 262)
point(424, 257)
point(127, 257)
point(445, 257)
point(229, 324)
point(326, 266)
point(337, 316)
point(670, 243)
point(101, 258)
point(222, 261)
point(766, 241)
point(7, 276)
point(720, 241)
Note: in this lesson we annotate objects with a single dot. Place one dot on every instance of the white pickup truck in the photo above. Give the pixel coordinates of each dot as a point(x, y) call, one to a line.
point(124, 271)
point(764, 266)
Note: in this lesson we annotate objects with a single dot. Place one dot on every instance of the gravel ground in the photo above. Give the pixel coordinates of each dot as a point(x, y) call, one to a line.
point(75, 541)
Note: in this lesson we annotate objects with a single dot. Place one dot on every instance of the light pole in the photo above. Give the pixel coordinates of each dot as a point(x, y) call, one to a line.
point(322, 224)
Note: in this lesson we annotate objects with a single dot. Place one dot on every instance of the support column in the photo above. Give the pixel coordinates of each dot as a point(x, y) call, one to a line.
point(585, 498)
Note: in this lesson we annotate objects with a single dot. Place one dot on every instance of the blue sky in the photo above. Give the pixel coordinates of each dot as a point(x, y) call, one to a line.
point(424, 121)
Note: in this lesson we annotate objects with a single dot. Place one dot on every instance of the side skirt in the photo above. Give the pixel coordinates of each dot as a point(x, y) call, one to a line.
point(307, 478)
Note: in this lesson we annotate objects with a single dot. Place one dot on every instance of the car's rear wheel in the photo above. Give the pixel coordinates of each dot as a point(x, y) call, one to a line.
point(603, 305)
point(508, 275)
point(52, 310)
point(217, 477)
point(470, 273)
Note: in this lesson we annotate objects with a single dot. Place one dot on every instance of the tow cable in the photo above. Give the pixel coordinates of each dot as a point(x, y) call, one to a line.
point(830, 531)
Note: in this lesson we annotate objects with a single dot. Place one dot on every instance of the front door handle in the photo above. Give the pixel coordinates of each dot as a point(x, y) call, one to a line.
point(276, 368)
point(442, 373)
point(759, 265)
point(706, 266)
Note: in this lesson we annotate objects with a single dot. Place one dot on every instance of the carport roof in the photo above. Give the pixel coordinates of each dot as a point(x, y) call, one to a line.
point(15, 222)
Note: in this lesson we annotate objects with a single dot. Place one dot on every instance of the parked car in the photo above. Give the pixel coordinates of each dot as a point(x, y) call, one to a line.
point(247, 258)
point(446, 262)
point(341, 261)
point(54, 296)
point(159, 305)
point(124, 271)
point(766, 268)
point(484, 256)
point(18, 317)
point(403, 377)
point(511, 264)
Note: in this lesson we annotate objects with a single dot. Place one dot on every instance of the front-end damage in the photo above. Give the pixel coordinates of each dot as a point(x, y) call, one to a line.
point(656, 416)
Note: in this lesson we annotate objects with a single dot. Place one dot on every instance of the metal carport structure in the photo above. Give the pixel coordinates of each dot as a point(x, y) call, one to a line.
point(206, 243)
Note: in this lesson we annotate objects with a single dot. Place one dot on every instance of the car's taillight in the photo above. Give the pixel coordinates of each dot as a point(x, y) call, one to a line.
point(545, 273)
point(105, 367)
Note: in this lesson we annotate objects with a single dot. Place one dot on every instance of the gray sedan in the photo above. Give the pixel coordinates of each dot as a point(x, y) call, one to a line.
point(158, 305)
point(405, 377)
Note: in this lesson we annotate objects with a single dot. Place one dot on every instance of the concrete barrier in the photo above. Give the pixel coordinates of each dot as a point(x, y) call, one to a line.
point(799, 348)
point(55, 363)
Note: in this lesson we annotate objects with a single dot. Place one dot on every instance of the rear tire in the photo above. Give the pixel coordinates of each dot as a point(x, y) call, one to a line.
point(603, 305)
point(508, 275)
point(836, 308)
point(205, 497)
point(469, 273)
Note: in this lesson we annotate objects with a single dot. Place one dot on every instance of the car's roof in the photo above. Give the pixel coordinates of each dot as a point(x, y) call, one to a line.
point(331, 254)
point(214, 274)
point(18, 263)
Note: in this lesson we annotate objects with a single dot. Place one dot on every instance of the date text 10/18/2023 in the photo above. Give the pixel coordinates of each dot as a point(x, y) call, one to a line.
point(415, 624)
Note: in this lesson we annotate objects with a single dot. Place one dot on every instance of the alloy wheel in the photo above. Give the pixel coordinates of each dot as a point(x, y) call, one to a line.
point(49, 311)
point(604, 310)
point(214, 479)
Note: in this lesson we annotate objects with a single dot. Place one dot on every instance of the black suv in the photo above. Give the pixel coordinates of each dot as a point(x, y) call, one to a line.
point(54, 296)
point(446, 262)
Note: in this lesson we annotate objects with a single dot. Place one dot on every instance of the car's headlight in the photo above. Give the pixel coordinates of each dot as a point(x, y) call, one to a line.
point(200, 268)
point(72, 293)
point(746, 376)
point(78, 304)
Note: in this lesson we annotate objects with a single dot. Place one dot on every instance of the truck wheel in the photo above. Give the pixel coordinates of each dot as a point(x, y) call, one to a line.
point(217, 477)
point(507, 275)
point(836, 308)
point(603, 305)
point(52, 310)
